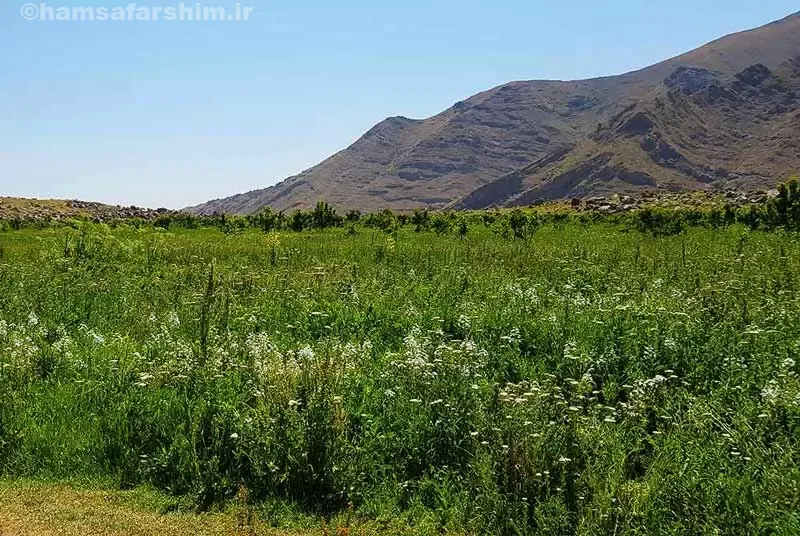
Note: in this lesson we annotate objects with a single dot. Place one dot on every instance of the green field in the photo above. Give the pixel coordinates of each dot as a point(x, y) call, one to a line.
point(585, 379)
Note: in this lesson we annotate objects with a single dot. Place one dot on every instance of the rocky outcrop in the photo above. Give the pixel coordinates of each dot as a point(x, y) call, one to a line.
point(32, 210)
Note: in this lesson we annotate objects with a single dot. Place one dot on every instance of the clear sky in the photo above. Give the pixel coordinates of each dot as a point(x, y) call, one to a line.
point(174, 113)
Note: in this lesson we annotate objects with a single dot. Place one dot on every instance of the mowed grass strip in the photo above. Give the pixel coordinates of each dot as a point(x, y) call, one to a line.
point(30, 507)
point(55, 509)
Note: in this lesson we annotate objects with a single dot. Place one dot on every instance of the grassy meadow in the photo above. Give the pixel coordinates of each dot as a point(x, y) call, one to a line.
point(583, 379)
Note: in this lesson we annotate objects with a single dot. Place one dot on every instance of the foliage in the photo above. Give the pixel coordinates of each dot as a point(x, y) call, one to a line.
point(522, 224)
point(421, 219)
point(324, 216)
point(385, 221)
point(582, 378)
point(267, 220)
point(784, 210)
point(353, 216)
point(659, 222)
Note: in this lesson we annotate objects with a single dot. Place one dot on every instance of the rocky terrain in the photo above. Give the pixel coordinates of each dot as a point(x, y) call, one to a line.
point(721, 117)
point(696, 131)
point(14, 208)
point(616, 203)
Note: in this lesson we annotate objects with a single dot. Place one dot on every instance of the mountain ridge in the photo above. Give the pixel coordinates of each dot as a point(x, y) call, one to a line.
point(438, 162)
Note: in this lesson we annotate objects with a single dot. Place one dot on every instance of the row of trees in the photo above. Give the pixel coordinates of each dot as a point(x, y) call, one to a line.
point(783, 211)
point(323, 216)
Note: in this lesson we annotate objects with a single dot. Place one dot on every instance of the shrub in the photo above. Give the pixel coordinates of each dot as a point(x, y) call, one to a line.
point(784, 210)
point(324, 216)
point(384, 220)
point(267, 220)
point(659, 222)
point(421, 219)
point(522, 225)
point(300, 220)
point(353, 216)
point(440, 223)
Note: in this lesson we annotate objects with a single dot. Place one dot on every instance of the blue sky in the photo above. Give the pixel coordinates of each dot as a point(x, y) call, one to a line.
point(176, 113)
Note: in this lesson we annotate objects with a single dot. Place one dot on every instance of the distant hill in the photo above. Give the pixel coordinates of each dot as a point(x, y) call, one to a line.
point(17, 208)
point(724, 116)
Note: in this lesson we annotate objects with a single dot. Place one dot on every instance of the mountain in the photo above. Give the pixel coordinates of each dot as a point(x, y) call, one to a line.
point(722, 116)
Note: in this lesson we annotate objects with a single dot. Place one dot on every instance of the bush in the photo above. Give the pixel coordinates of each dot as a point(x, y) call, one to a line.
point(384, 220)
point(353, 216)
point(659, 222)
point(267, 220)
point(421, 219)
point(784, 210)
point(324, 216)
point(522, 225)
point(440, 223)
point(300, 220)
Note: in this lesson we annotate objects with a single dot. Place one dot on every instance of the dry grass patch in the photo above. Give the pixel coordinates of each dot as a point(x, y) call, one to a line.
point(49, 510)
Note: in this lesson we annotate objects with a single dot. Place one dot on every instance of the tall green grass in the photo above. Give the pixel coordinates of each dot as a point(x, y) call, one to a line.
point(579, 379)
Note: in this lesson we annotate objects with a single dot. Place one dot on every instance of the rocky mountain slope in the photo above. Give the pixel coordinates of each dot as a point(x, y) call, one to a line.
point(722, 116)
point(697, 131)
